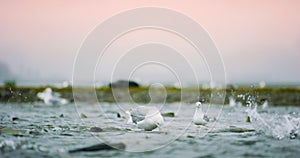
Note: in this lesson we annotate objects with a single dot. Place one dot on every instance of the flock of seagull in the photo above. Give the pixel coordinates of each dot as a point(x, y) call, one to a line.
point(147, 118)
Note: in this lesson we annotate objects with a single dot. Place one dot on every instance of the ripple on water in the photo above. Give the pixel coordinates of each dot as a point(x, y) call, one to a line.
point(52, 135)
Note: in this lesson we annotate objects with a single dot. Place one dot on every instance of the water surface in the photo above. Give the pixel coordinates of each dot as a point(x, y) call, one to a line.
point(36, 130)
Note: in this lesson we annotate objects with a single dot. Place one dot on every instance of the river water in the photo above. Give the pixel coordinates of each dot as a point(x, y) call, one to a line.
point(37, 130)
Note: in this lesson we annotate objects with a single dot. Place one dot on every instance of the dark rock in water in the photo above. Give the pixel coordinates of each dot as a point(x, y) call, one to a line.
point(49, 126)
point(248, 119)
point(83, 115)
point(233, 130)
point(100, 147)
point(61, 115)
point(190, 136)
point(247, 142)
point(96, 129)
point(118, 115)
point(123, 84)
point(18, 119)
point(35, 132)
point(66, 134)
point(15, 118)
point(168, 114)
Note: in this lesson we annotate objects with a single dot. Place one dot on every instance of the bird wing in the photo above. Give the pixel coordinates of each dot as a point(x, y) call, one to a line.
point(138, 114)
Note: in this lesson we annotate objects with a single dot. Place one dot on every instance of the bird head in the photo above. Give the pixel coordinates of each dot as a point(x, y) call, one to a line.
point(198, 104)
point(128, 112)
point(48, 90)
point(129, 120)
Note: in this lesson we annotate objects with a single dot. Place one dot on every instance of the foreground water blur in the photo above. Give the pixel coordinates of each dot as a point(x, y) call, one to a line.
point(36, 130)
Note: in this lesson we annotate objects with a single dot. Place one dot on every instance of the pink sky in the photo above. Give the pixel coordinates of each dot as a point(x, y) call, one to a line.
point(258, 40)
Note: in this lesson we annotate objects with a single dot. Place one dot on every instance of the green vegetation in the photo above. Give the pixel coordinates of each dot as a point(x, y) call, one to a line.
point(275, 96)
point(9, 83)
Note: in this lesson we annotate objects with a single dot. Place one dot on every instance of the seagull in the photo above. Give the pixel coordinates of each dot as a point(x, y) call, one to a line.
point(232, 102)
point(265, 103)
point(146, 117)
point(199, 117)
point(51, 98)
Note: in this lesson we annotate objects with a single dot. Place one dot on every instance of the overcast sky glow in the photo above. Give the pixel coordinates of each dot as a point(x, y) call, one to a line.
point(258, 40)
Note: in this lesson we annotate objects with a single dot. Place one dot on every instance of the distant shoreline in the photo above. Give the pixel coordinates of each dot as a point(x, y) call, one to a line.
point(276, 96)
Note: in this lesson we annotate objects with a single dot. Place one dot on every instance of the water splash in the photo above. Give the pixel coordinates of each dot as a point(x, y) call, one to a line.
point(51, 98)
point(234, 103)
point(275, 125)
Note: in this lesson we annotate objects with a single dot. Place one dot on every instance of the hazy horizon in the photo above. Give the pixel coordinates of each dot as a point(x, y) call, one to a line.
point(258, 41)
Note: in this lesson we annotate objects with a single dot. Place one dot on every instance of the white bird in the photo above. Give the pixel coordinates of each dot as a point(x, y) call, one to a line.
point(232, 102)
point(51, 98)
point(146, 117)
point(199, 117)
point(265, 104)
